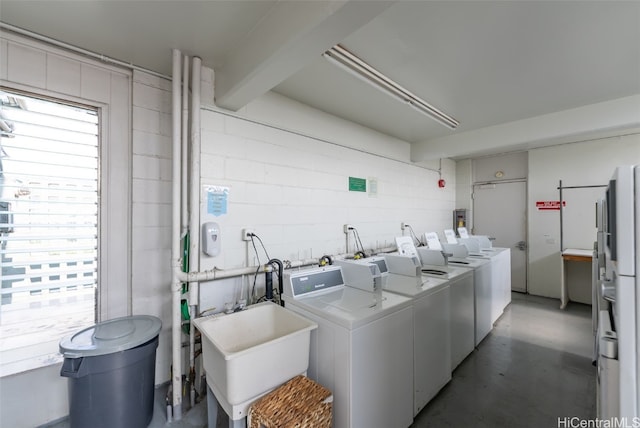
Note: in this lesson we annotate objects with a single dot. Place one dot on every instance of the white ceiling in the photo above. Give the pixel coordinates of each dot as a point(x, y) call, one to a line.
point(516, 74)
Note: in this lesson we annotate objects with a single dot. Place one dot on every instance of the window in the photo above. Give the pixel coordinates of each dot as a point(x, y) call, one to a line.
point(48, 226)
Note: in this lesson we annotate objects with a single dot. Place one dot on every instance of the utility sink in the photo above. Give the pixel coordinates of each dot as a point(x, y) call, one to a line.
point(248, 353)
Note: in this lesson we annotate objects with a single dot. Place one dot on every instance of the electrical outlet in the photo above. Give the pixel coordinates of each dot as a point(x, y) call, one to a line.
point(246, 234)
point(403, 225)
point(346, 228)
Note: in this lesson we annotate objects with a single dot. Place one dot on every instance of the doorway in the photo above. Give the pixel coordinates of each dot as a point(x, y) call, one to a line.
point(499, 211)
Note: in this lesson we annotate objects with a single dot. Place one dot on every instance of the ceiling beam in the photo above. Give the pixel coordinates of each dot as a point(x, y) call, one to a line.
point(597, 120)
point(290, 36)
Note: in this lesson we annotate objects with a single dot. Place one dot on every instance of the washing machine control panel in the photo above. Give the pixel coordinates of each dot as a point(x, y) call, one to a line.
point(306, 282)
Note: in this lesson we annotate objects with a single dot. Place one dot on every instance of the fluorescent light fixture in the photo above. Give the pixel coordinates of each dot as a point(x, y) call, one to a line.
point(360, 69)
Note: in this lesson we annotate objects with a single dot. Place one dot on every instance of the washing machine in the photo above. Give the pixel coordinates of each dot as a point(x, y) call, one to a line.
point(362, 349)
point(482, 282)
point(461, 293)
point(431, 324)
point(480, 246)
point(483, 297)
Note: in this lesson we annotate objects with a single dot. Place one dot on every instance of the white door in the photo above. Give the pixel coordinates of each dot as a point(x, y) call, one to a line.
point(499, 211)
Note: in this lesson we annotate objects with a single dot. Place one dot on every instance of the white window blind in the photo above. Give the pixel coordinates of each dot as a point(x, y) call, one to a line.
point(48, 227)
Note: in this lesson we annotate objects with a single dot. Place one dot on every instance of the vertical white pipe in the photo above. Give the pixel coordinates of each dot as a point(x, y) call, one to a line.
point(185, 145)
point(185, 185)
point(194, 208)
point(176, 341)
point(194, 211)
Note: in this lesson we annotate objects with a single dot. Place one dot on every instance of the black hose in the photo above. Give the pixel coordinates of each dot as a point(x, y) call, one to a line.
point(268, 285)
point(280, 280)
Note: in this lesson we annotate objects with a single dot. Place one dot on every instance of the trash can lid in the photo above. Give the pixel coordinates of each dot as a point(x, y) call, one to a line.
point(118, 334)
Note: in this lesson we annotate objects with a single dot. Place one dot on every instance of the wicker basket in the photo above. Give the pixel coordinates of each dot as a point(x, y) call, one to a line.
point(300, 402)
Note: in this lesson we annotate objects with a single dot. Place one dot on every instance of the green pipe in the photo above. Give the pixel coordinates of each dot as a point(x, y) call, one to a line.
point(185, 260)
point(184, 305)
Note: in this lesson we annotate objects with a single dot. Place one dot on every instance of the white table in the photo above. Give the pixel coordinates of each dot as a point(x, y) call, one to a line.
point(571, 255)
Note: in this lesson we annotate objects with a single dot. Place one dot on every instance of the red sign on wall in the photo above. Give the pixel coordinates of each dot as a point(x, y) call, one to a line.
point(550, 205)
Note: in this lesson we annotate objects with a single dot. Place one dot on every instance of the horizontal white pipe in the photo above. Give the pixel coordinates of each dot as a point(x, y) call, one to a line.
point(386, 250)
point(298, 263)
point(79, 50)
point(213, 274)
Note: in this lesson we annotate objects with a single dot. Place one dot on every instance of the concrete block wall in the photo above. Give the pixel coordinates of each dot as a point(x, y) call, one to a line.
point(291, 187)
point(151, 208)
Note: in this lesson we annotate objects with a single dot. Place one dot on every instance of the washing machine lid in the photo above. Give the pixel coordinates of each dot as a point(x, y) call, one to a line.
point(492, 251)
point(470, 262)
point(351, 307)
point(413, 287)
point(107, 337)
point(445, 272)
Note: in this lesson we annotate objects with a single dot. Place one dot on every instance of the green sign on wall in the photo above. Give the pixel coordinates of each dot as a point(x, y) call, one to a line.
point(357, 184)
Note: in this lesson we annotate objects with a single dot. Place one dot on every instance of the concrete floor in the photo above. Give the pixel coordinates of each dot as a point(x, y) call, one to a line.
point(533, 368)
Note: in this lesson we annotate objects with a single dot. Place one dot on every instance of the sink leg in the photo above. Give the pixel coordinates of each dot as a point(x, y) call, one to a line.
point(212, 409)
point(212, 413)
point(239, 423)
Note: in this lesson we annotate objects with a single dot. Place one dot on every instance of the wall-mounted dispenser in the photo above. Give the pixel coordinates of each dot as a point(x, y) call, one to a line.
point(459, 218)
point(211, 238)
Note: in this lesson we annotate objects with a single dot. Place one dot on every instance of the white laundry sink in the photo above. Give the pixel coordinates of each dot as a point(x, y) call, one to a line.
point(248, 353)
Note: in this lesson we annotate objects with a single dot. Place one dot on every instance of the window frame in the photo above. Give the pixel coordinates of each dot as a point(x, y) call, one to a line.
point(114, 283)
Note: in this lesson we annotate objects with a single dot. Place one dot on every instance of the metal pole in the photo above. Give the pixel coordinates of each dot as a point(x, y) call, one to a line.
point(561, 211)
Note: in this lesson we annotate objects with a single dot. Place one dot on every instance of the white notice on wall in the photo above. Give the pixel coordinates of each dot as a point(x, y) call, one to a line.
point(217, 199)
point(373, 187)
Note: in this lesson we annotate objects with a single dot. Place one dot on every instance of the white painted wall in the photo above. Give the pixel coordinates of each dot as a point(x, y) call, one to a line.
point(586, 163)
point(576, 164)
point(292, 187)
point(464, 188)
point(513, 166)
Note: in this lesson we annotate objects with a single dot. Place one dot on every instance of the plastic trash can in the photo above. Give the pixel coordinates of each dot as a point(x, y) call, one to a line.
point(111, 371)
